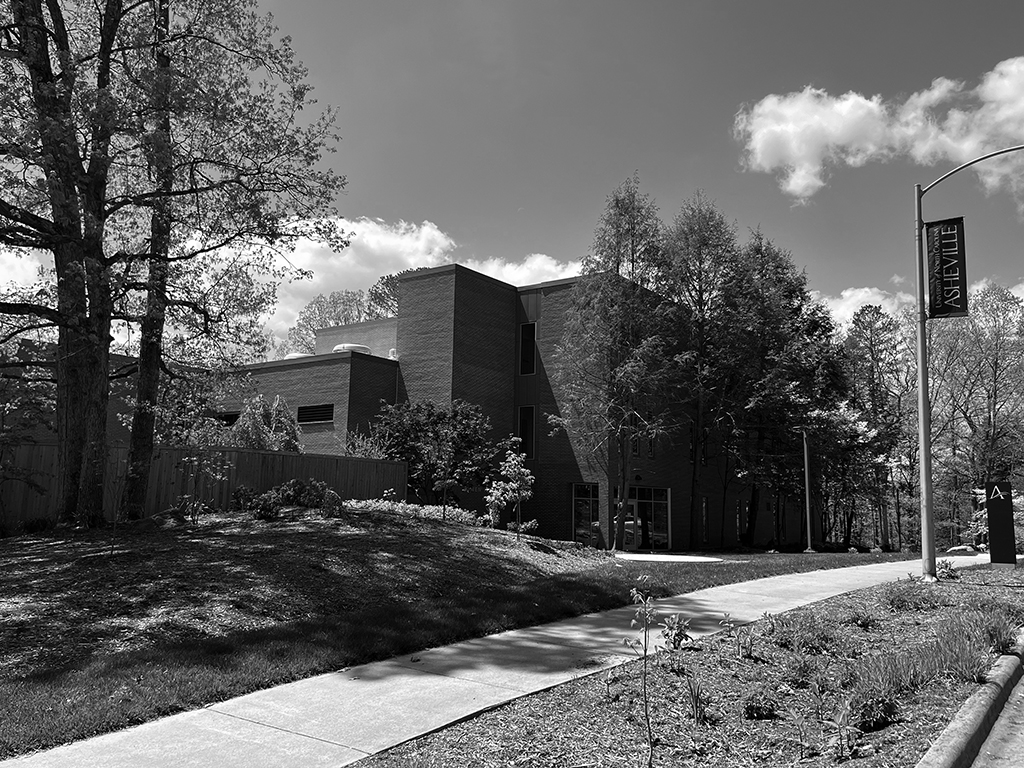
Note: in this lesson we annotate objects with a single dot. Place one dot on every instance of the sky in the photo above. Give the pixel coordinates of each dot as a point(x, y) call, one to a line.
point(490, 132)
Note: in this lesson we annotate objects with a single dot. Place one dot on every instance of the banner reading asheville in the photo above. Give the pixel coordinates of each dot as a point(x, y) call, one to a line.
point(947, 268)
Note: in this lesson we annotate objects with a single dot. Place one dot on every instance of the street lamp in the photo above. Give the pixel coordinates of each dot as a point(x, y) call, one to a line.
point(807, 492)
point(924, 413)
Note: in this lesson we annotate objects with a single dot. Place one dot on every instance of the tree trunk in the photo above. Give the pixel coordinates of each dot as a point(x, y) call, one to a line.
point(140, 453)
point(622, 446)
point(695, 464)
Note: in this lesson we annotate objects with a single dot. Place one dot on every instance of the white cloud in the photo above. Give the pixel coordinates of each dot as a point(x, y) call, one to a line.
point(21, 268)
point(803, 134)
point(898, 279)
point(535, 268)
point(845, 306)
point(380, 248)
point(376, 248)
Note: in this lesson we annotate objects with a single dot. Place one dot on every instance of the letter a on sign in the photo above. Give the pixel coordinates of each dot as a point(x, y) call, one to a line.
point(947, 268)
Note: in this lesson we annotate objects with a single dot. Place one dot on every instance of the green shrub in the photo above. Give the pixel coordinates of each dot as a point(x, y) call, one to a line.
point(911, 596)
point(37, 525)
point(944, 571)
point(242, 497)
point(866, 620)
point(526, 527)
point(761, 704)
point(313, 494)
point(800, 670)
point(332, 505)
point(806, 633)
point(267, 506)
point(871, 710)
point(1001, 630)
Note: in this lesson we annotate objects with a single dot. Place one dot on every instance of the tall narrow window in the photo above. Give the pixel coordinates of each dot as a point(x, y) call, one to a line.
point(528, 349)
point(586, 510)
point(526, 430)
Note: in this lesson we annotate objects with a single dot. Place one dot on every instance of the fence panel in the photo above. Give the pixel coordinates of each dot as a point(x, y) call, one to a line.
point(176, 472)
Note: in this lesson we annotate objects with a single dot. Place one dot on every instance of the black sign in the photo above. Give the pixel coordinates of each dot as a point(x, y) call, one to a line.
point(947, 268)
point(999, 507)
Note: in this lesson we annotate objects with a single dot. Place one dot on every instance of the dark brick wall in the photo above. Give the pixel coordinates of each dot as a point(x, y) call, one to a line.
point(353, 382)
point(373, 379)
point(557, 463)
point(309, 381)
point(380, 336)
point(484, 348)
point(426, 333)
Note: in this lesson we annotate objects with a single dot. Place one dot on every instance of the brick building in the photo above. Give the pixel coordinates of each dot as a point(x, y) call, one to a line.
point(462, 335)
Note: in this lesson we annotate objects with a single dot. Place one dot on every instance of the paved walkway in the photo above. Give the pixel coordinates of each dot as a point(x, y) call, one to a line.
point(337, 718)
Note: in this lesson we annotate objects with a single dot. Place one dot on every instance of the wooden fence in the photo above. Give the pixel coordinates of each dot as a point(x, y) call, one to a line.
point(30, 490)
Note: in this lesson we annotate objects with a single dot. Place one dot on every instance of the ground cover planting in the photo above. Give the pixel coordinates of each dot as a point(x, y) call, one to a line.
point(102, 629)
point(872, 676)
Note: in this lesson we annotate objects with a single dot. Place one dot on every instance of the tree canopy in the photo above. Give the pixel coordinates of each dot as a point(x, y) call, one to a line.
point(159, 152)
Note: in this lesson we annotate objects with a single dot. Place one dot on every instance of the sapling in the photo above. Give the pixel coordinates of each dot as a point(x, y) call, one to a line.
point(644, 617)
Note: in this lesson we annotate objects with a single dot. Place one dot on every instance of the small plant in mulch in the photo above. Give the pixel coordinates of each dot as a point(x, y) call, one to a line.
point(644, 618)
point(911, 595)
point(945, 571)
point(761, 704)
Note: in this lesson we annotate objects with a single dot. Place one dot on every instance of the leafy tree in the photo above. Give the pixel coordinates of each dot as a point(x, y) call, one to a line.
point(702, 274)
point(156, 150)
point(337, 308)
point(610, 368)
point(382, 298)
point(447, 449)
point(513, 483)
point(265, 426)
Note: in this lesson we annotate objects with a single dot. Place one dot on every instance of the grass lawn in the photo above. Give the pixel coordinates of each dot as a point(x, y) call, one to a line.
point(104, 629)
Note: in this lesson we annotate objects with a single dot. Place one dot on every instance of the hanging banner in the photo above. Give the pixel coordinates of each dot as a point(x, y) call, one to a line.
point(947, 268)
point(999, 509)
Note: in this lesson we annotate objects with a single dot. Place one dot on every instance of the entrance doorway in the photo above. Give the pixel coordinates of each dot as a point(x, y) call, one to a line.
point(647, 519)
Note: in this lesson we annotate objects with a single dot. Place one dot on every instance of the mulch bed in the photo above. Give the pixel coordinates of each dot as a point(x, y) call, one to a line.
point(598, 720)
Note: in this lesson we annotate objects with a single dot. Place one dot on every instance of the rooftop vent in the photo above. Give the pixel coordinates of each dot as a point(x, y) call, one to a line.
point(296, 355)
point(352, 348)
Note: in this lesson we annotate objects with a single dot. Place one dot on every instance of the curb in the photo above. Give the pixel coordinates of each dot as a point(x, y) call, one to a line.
point(959, 744)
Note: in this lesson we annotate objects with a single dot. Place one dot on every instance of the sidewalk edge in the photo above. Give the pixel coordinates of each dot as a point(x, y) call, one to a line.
point(959, 744)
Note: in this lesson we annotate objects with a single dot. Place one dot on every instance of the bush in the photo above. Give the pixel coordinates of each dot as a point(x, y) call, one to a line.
point(911, 596)
point(37, 525)
point(805, 633)
point(863, 619)
point(761, 704)
point(801, 670)
point(242, 497)
point(267, 506)
point(872, 710)
point(331, 505)
point(944, 571)
point(526, 527)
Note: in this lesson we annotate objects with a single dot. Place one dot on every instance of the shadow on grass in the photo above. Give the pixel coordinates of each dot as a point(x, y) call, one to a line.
point(103, 631)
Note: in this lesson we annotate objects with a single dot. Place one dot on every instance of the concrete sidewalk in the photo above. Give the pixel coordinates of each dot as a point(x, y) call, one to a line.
point(337, 718)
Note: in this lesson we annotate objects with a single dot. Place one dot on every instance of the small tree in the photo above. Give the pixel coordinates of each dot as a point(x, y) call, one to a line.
point(266, 427)
point(514, 482)
point(447, 449)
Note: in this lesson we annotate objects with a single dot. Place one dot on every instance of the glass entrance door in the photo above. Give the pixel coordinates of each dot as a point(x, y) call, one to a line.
point(647, 519)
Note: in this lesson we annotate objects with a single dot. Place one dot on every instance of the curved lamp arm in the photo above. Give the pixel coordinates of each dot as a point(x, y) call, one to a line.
point(945, 176)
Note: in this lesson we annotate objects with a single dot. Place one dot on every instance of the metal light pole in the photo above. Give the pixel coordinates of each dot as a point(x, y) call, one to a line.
point(924, 411)
point(807, 492)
